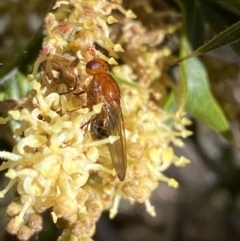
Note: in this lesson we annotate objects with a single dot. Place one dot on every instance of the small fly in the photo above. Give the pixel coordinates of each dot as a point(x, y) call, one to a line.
point(104, 89)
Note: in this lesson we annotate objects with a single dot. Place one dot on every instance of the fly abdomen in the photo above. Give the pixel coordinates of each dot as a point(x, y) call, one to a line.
point(98, 130)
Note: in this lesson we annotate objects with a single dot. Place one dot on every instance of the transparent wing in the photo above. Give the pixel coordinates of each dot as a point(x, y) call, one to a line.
point(115, 127)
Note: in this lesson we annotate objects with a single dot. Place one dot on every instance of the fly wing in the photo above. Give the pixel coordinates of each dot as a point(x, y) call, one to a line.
point(115, 127)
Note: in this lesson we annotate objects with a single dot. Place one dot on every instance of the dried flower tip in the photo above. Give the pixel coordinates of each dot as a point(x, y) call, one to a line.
point(178, 126)
point(185, 121)
point(149, 208)
point(97, 108)
point(166, 52)
point(140, 171)
point(35, 222)
point(111, 20)
point(178, 142)
point(130, 14)
point(171, 182)
point(114, 210)
point(135, 150)
point(65, 207)
point(112, 61)
point(30, 77)
point(9, 185)
point(94, 209)
point(167, 155)
point(118, 48)
point(154, 154)
point(14, 224)
point(54, 217)
point(186, 133)
point(127, 13)
point(83, 226)
point(180, 114)
point(24, 233)
point(13, 209)
point(112, 139)
point(182, 161)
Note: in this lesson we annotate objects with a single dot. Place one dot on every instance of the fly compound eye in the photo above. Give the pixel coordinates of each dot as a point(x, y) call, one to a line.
point(96, 66)
point(92, 65)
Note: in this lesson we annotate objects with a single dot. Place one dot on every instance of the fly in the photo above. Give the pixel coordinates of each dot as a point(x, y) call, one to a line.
point(104, 89)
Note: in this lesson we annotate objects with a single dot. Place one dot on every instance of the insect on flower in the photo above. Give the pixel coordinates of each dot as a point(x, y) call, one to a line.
point(103, 88)
point(60, 69)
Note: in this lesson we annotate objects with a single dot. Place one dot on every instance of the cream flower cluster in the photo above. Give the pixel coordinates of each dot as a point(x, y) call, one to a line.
point(56, 164)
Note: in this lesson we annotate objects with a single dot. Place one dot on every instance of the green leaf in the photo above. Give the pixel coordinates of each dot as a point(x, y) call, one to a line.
point(193, 91)
point(170, 104)
point(125, 82)
point(228, 36)
point(14, 85)
point(230, 5)
point(220, 18)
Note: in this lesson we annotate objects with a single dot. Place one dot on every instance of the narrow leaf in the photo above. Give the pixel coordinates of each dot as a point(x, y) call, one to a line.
point(193, 89)
point(228, 36)
point(230, 5)
point(220, 18)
